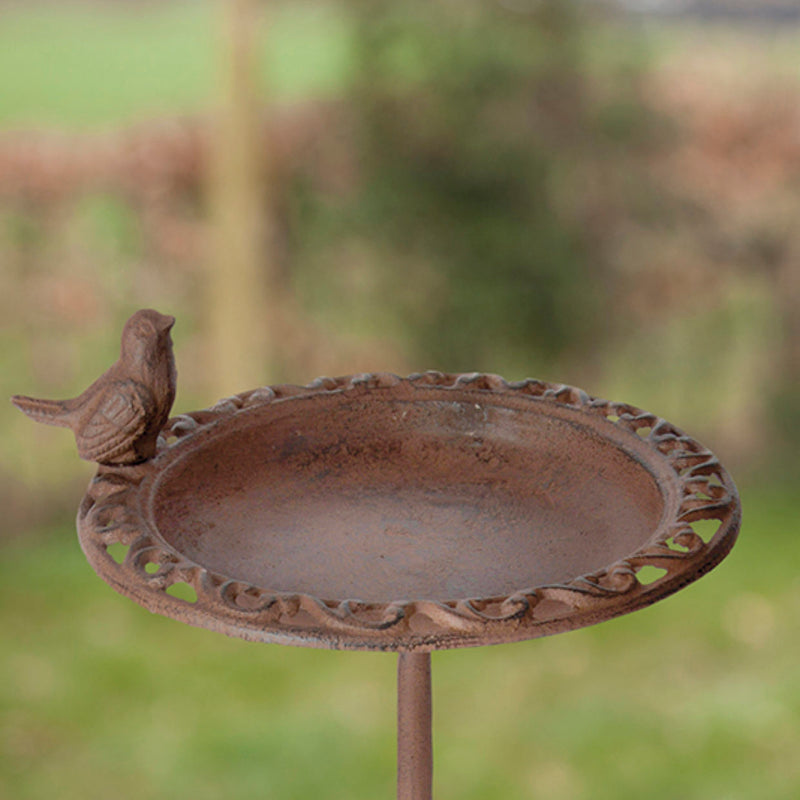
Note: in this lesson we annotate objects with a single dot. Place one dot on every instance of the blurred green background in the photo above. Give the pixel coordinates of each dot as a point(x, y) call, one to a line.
point(551, 189)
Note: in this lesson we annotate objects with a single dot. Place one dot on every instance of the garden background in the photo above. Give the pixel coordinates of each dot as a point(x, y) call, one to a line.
point(580, 192)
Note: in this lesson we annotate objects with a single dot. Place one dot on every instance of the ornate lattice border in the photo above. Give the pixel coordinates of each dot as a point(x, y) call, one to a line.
point(111, 514)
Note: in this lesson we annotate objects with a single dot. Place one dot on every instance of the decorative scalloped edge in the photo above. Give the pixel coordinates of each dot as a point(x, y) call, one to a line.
point(109, 515)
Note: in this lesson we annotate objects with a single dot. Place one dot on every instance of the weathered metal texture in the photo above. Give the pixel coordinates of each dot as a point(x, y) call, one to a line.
point(412, 514)
point(414, 734)
point(118, 418)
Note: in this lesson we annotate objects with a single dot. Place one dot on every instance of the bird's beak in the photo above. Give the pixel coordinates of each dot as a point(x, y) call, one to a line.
point(166, 323)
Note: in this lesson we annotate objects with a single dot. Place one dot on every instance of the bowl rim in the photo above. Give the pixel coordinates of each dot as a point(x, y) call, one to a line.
point(694, 485)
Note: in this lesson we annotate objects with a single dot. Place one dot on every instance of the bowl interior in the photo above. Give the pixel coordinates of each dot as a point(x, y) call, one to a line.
point(397, 499)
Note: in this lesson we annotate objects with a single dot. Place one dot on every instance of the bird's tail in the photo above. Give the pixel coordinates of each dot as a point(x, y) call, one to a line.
point(51, 412)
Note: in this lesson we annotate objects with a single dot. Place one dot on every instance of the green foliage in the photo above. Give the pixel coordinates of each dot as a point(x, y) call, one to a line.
point(467, 118)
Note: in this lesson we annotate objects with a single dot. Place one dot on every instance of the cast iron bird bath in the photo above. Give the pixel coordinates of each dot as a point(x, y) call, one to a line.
point(414, 514)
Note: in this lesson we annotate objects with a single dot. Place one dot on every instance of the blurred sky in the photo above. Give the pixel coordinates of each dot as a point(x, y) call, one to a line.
point(733, 10)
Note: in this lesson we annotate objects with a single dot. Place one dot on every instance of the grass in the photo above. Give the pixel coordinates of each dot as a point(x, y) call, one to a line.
point(695, 697)
point(80, 65)
point(87, 65)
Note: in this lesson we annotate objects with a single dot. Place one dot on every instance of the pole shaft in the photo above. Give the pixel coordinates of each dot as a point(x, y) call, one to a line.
point(414, 743)
point(239, 296)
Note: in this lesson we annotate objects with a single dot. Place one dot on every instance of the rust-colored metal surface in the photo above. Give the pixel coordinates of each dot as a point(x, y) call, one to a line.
point(386, 513)
point(414, 742)
point(117, 420)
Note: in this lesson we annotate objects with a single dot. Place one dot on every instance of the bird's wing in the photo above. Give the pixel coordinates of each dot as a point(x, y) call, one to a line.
point(118, 418)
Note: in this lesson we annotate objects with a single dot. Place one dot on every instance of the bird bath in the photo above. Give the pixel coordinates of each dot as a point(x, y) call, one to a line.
point(409, 514)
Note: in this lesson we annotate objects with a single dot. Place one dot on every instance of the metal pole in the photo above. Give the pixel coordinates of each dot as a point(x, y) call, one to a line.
point(414, 744)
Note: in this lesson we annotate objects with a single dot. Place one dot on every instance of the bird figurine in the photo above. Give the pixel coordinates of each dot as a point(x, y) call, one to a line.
point(116, 421)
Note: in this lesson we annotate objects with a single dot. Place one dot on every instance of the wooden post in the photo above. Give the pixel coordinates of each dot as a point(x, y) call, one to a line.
point(239, 350)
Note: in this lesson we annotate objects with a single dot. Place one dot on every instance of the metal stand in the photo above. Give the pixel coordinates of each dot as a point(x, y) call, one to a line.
point(414, 744)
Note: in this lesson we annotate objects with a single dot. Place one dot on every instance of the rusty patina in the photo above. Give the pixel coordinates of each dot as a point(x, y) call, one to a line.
point(375, 512)
point(117, 420)
point(434, 511)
